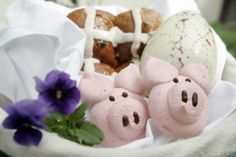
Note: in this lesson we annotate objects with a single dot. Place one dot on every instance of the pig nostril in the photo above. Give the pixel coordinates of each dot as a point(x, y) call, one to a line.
point(136, 117)
point(125, 121)
point(111, 98)
point(195, 99)
point(184, 96)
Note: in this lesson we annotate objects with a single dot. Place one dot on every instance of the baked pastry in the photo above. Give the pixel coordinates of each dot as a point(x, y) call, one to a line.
point(115, 40)
point(102, 50)
point(151, 20)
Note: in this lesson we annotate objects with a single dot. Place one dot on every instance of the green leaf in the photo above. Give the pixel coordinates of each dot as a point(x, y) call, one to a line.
point(58, 128)
point(55, 119)
point(89, 134)
point(79, 112)
point(74, 127)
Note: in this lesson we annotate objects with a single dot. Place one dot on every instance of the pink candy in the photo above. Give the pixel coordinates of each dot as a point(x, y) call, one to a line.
point(118, 112)
point(178, 99)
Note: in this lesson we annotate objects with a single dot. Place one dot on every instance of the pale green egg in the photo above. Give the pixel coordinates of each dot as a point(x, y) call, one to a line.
point(182, 39)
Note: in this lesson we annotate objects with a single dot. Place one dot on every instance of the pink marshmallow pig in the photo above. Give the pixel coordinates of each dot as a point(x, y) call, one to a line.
point(118, 108)
point(178, 103)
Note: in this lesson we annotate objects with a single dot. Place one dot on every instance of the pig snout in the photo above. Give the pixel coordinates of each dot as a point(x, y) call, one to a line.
point(127, 119)
point(186, 101)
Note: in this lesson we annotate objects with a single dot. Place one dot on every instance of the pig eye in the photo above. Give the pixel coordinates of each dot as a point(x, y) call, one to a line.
point(176, 80)
point(136, 117)
point(111, 98)
point(187, 80)
point(125, 121)
point(125, 95)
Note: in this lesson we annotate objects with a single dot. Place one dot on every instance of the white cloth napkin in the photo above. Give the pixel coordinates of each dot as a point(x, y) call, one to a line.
point(40, 37)
point(17, 48)
point(40, 19)
point(49, 18)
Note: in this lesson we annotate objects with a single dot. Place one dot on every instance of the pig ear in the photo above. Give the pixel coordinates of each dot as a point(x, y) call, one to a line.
point(95, 87)
point(130, 78)
point(199, 73)
point(157, 71)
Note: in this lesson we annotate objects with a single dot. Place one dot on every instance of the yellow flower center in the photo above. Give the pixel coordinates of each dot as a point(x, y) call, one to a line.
point(59, 94)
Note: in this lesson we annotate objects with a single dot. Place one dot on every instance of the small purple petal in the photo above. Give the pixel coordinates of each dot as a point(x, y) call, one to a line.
point(27, 136)
point(69, 104)
point(46, 99)
point(52, 78)
point(10, 109)
point(26, 112)
point(37, 123)
point(31, 108)
point(12, 122)
point(66, 82)
point(40, 86)
point(52, 109)
point(67, 108)
point(38, 109)
point(75, 94)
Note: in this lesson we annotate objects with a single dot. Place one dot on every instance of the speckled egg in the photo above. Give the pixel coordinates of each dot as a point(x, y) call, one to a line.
point(183, 39)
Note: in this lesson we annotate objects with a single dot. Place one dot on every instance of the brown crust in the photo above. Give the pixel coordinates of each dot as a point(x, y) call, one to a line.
point(151, 20)
point(103, 20)
point(104, 51)
point(124, 54)
point(103, 68)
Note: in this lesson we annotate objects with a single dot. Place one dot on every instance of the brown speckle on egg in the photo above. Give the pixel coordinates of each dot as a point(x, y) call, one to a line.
point(184, 19)
point(180, 61)
point(210, 30)
point(180, 49)
point(175, 43)
point(191, 39)
point(208, 42)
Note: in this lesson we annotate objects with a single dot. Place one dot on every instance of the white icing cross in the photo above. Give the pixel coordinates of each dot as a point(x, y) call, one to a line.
point(137, 31)
point(114, 35)
point(89, 64)
point(89, 24)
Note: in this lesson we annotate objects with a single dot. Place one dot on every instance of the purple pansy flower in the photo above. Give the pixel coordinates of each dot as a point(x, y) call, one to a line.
point(58, 91)
point(26, 116)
